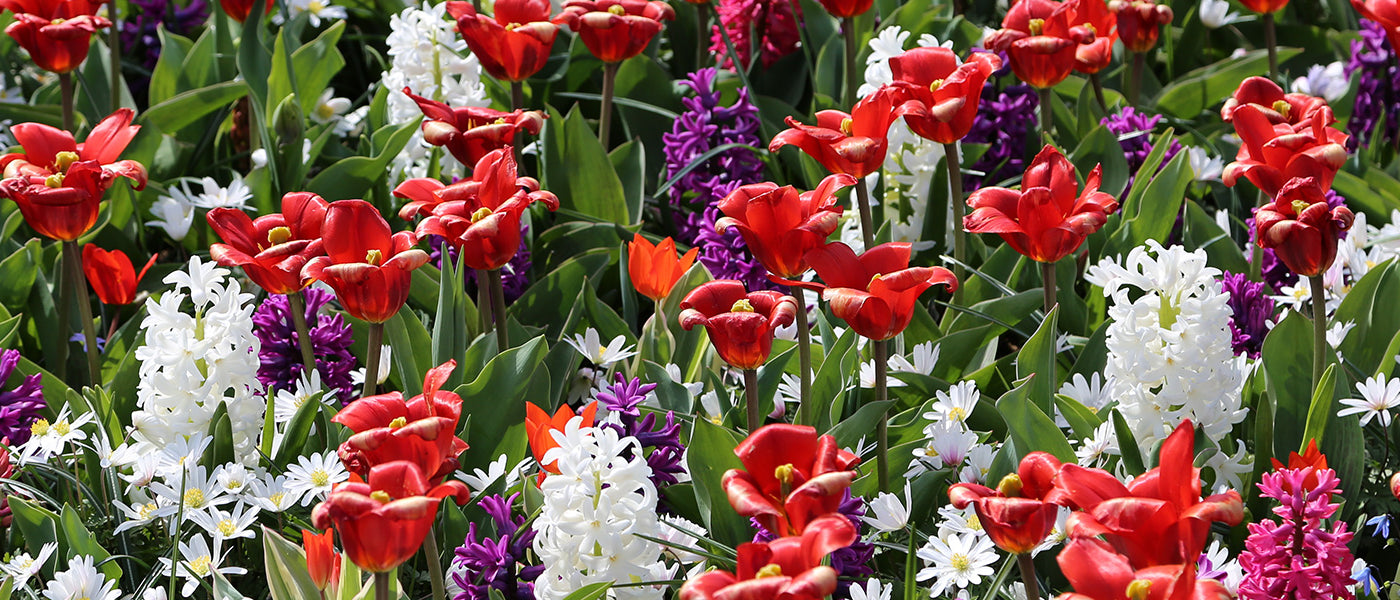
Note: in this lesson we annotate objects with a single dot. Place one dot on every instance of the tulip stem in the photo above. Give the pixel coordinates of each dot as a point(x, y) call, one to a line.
point(59, 364)
point(517, 102)
point(867, 223)
point(702, 35)
point(1319, 315)
point(483, 300)
point(430, 547)
point(880, 349)
point(605, 117)
point(1047, 275)
point(1256, 252)
point(72, 258)
point(375, 343)
point(115, 46)
point(65, 86)
point(952, 159)
point(1135, 83)
point(381, 586)
point(498, 310)
point(804, 357)
point(751, 400)
point(297, 304)
point(1098, 91)
point(848, 32)
point(1047, 116)
point(1271, 40)
point(1027, 566)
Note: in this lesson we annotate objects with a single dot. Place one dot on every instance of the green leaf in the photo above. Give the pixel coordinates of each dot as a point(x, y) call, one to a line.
point(1036, 363)
point(1029, 427)
point(410, 356)
point(1157, 209)
point(592, 591)
point(168, 72)
point(39, 526)
point(1287, 362)
point(287, 574)
point(18, 272)
point(297, 429)
point(494, 403)
point(351, 177)
point(187, 107)
point(311, 65)
point(81, 542)
point(1368, 305)
point(710, 454)
point(451, 332)
point(1205, 87)
point(1082, 420)
point(578, 170)
point(1127, 445)
point(1100, 147)
point(1323, 405)
point(629, 161)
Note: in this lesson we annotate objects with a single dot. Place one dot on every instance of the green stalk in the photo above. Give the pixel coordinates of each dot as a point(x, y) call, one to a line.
point(751, 400)
point(72, 258)
point(59, 364)
point(483, 300)
point(1047, 116)
point(1135, 85)
point(953, 161)
point(867, 223)
point(702, 36)
point(297, 303)
point(804, 356)
point(517, 102)
point(848, 33)
point(605, 117)
point(1319, 316)
point(430, 547)
point(498, 308)
point(1047, 273)
point(882, 432)
point(381, 586)
point(65, 86)
point(1271, 40)
point(114, 44)
point(375, 341)
point(1027, 566)
point(1098, 91)
point(1256, 253)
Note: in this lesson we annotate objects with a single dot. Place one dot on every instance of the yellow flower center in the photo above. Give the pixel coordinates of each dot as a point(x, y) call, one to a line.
point(201, 565)
point(1091, 28)
point(54, 181)
point(1138, 589)
point(276, 498)
point(145, 510)
point(316, 6)
point(374, 257)
point(1010, 486)
point(847, 125)
point(957, 414)
point(617, 9)
point(785, 473)
point(513, 26)
point(1282, 107)
point(227, 527)
point(278, 235)
point(65, 159)
point(937, 83)
point(398, 422)
point(1037, 26)
point(959, 562)
point(320, 478)
point(62, 428)
point(380, 496)
point(1300, 205)
point(480, 213)
point(974, 523)
point(39, 428)
point(194, 498)
point(742, 305)
point(769, 571)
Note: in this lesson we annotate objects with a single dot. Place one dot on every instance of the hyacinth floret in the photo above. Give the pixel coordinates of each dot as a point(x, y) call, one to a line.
point(1005, 117)
point(1378, 88)
point(280, 356)
point(768, 25)
point(1252, 311)
point(484, 563)
point(1134, 130)
point(662, 445)
point(21, 406)
point(141, 25)
point(1299, 556)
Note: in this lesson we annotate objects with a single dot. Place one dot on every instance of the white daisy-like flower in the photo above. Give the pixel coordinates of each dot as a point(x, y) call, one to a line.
point(198, 561)
point(921, 361)
point(287, 402)
point(200, 492)
point(958, 561)
point(956, 404)
point(593, 349)
point(328, 107)
point(1094, 392)
point(1093, 451)
point(81, 581)
point(236, 195)
point(948, 445)
point(138, 513)
point(479, 480)
point(1216, 14)
point(872, 590)
point(270, 493)
point(1378, 398)
point(316, 11)
point(51, 438)
point(174, 214)
point(886, 513)
point(312, 477)
point(233, 477)
point(958, 521)
point(979, 464)
point(23, 566)
point(226, 525)
point(867, 374)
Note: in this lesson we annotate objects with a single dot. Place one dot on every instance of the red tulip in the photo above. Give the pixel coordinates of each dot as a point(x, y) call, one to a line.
point(470, 132)
point(616, 30)
point(789, 568)
point(1272, 153)
point(1092, 57)
point(947, 92)
point(515, 43)
point(274, 248)
point(1048, 218)
point(1020, 513)
point(1311, 457)
point(1099, 573)
point(854, 144)
point(1040, 40)
point(1139, 22)
point(876, 291)
point(322, 561)
point(740, 323)
point(1268, 97)
point(111, 274)
point(1160, 518)
point(539, 427)
point(368, 266)
point(239, 10)
point(843, 9)
point(56, 33)
point(655, 269)
point(421, 430)
point(791, 477)
point(1301, 228)
point(1264, 7)
point(1385, 12)
point(779, 225)
point(382, 523)
point(58, 183)
point(479, 216)
point(1395, 485)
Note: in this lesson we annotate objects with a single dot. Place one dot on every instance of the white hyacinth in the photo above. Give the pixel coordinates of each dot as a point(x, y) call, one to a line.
point(595, 512)
point(428, 56)
point(1169, 349)
point(192, 361)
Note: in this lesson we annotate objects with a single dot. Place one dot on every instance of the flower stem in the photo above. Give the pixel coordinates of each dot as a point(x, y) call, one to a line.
point(1256, 253)
point(880, 349)
point(867, 223)
point(848, 33)
point(1047, 274)
point(115, 46)
point(517, 102)
point(1319, 315)
point(751, 400)
point(65, 86)
point(430, 547)
point(1027, 566)
point(59, 363)
point(498, 309)
point(804, 357)
point(702, 35)
point(1098, 91)
point(381, 586)
point(1135, 84)
point(297, 303)
point(605, 117)
point(1271, 40)
point(1047, 117)
point(483, 300)
point(72, 258)
point(375, 341)
point(953, 161)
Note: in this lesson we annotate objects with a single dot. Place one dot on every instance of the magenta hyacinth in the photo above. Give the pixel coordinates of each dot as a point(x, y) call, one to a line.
point(661, 443)
point(764, 24)
point(19, 407)
point(1299, 556)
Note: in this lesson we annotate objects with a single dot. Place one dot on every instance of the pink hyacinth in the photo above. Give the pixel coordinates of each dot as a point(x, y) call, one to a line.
point(765, 25)
point(1298, 557)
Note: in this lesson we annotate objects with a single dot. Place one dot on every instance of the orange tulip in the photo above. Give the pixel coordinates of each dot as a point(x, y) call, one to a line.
point(654, 269)
point(322, 561)
point(111, 274)
point(538, 425)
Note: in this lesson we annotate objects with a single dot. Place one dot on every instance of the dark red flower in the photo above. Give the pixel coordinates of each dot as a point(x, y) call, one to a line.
point(842, 9)
point(421, 430)
point(368, 265)
point(1020, 513)
point(383, 522)
point(515, 43)
point(791, 476)
point(56, 33)
point(1267, 6)
point(1301, 228)
point(1094, 56)
point(1040, 40)
point(111, 274)
point(788, 568)
point(1262, 92)
point(272, 249)
point(779, 225)
point(946, 93)
point(471, 132)
point(875, 292)
point(1139, 22)
point(1048, 218)
point(1271, 153)
point(616, 30)
point(854, 144)
point(740, 323)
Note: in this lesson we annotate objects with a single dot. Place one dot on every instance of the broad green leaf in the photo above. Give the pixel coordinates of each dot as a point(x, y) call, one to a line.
point(311, 68)
point(494, 402)
point(1323, 405)
point(1081, 419)
point(592, 591)
point(18, 272)
point(350, 177)
point(1127, 445)
point(1160, 203)
point(1036, 363)
point(1029, 427)
point(578, 170)
point(39, 526)
point(81, 542)
point(1287, 364)
point(710, 454)
point(287, 574)
point(187, 107)
point(1207, 86)
point(295, 435)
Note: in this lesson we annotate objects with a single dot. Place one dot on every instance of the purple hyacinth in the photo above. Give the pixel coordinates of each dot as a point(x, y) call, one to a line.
point(1252, 309)
point(1378, 90)
point(852, 563)
point(662, 445)
point(516, 272)
point(144, 18)
point(703, 126)
point(1004, 119)
point(19, 407)
point(1298, 557)
point(483, 563)
point(280, 356)
point(1134, 130)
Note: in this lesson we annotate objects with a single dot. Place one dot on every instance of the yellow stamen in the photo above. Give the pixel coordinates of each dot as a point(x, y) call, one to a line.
point(480, 213)
point(374, 257)
point(54, 181)
point(39, 428)
point(1037, 26)
point(1010, 486)
point(380, 496)
point(194, 498)
point(1282, 107)
point(278, 235)
point(937, 83)
point(65, 159)
point(847, 126)
point(398, 422)
point(1091, 28)
point(785, 473)
point(513, 26)
point(743, 305)
point(769, 571)
point(1300, 205)
point(617, 9)
point(1138, 589)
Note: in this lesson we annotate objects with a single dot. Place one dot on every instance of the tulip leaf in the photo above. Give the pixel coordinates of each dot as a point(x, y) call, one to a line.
point(224, 590)
point(710, 454)
point(1127, 445)
point(1036, 361)
point(1199, 231)
point(577, 169)
point(297, 430)
point(308, 70)
point(39, 526)
point(1100, 147)
point(495, 400)
point(1375, 318)
point(1082, 420)
point(829, 380)
point(350, 177)
point(287, 575)
point(1029, 427)
point(1287, 364)
point(18, 272)
point(1323, 404)
point(451, 334)
point(1202, 88)
point(1160, 203)
point(81, 542)
point(592, 591)
point(220, 451)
